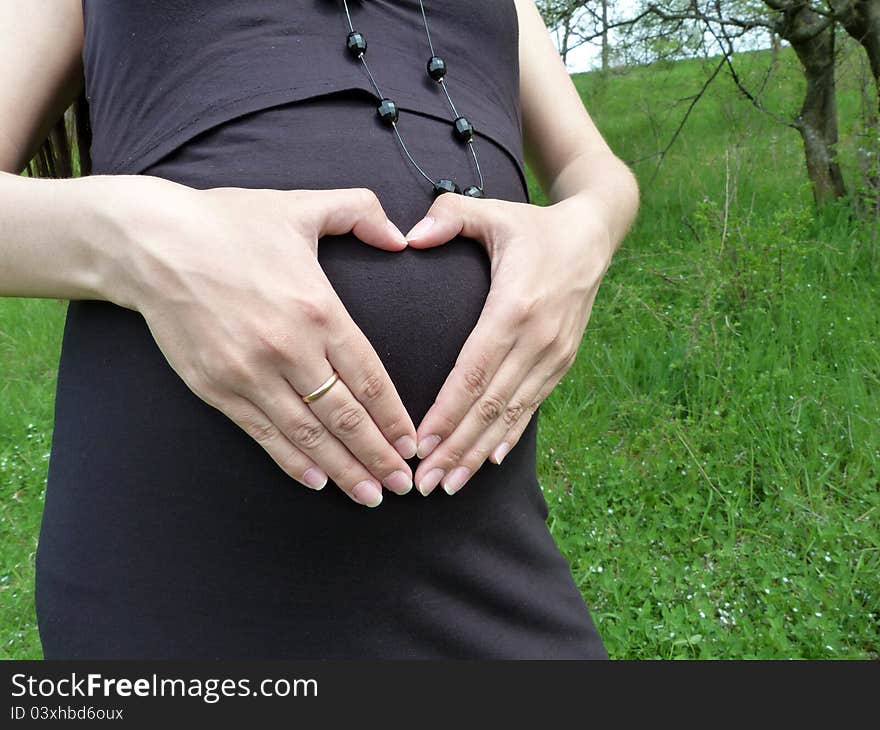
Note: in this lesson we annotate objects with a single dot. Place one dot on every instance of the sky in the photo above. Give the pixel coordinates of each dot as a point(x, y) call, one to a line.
point(588, 56)
point(583, 58)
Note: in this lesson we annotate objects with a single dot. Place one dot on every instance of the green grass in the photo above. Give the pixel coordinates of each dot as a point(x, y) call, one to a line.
point(712, 460)
point(30, 344)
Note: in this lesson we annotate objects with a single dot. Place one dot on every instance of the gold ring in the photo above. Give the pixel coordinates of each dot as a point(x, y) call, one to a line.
point(322, 388)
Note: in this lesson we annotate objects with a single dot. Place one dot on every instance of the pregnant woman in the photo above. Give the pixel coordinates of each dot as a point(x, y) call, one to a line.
point(258, 366)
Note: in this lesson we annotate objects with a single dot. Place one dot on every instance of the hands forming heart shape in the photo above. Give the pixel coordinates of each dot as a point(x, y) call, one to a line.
point(246, 341)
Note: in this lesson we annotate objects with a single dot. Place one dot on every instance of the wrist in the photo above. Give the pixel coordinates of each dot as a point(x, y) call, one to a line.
point(611, 205)
point(587, 214)
point(90, 212)
point(115, 210)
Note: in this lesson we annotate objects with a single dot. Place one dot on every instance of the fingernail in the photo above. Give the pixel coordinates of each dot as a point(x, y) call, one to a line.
point(398, 482)
point(406, 447)
point(420, 228)
point(367, 494)
point(396, 232)
point(430, 480)
point(500, 451)
point(315, 478)
point(456, 479)
point(427, 445)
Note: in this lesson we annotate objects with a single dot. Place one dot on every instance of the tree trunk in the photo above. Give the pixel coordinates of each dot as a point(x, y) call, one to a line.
point(861, 20)
point(606, 49)
point(812, 37)
point(774, 49)
point(566, 35)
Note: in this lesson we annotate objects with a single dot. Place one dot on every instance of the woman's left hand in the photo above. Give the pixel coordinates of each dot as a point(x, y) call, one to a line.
point(546, 266)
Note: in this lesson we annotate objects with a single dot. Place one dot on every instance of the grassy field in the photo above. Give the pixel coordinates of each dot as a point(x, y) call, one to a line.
point(712, 460)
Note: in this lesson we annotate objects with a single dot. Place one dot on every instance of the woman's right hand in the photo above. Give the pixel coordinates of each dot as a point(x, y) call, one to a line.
point(228, 281)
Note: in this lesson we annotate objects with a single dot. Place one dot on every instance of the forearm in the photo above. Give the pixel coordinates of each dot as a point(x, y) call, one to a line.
point(603, 178)
point(54, 239)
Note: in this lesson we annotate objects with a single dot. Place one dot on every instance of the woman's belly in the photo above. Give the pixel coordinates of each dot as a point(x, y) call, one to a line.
point(161, 506)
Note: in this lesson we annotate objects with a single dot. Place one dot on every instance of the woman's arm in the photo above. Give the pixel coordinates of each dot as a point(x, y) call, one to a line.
point(546, 262)
point(41, 54)
point(561, 144)
point(48, 241)
point(247, 335)
point(44, 249)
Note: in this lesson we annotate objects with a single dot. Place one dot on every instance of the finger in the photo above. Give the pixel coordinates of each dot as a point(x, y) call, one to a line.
point(515, 432)
point(490, 412)
point(481, 355)
point(306, 372)
point(452, 215)
point(528, 393)
point(348, 420)
point(293, 418)
point(256, 424)
point(352, 355)
point(362, 370)
point(355, 210)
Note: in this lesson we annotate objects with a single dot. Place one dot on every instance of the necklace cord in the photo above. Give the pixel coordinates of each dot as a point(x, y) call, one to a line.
point(441, 81)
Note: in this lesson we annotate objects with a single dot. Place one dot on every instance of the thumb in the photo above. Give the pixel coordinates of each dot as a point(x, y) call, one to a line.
point(355, 210)
point(452, 215)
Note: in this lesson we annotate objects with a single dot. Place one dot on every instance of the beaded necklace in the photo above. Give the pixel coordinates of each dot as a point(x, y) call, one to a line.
point(388, 111)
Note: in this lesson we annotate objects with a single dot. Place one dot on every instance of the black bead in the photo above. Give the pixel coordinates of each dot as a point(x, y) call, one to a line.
point(445, 186)
point(472, 191)
point(464, 130)
point(436, 68)
point(356, 43)
point(387, 109)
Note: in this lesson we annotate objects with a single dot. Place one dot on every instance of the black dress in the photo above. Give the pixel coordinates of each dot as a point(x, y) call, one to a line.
point(167, 531)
